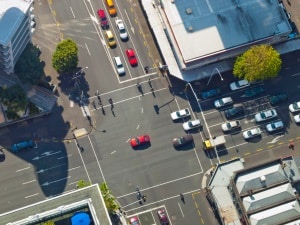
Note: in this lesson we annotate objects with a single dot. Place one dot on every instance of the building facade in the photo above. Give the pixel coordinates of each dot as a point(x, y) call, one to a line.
point(16, 28)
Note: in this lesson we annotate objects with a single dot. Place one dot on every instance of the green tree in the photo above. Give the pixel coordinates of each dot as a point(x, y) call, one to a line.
point(29, 68)
point(109, 199)
point(65, 57)
point(260, 62)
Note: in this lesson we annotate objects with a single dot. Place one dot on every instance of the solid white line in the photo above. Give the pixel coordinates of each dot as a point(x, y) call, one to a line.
point(72, 12)
point(296, 74)
point(97, 160)
point(26, 168)
point(74, 168)
point(180, 209)
point(87, 49)
point(138, 126)
point(63, 157)
point(161, 184)
point(71, 104)
point(87, 173)
point(29, 181)
point(32, 195)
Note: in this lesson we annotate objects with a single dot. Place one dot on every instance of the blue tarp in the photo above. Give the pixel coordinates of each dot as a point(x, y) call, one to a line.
point(81, 218)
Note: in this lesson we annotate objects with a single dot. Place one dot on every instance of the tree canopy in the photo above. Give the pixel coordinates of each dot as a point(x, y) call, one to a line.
point(260, 62)
point(109, 199)
point(65, 57)
point(29, 68)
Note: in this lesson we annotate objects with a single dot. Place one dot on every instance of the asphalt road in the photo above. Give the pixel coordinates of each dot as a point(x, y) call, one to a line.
point(160, 171)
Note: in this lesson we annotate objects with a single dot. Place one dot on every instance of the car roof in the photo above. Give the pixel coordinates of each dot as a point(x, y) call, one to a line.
point(101, 13)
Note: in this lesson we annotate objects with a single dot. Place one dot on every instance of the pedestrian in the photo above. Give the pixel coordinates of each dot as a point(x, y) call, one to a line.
point(181, 197)
point(144, 198)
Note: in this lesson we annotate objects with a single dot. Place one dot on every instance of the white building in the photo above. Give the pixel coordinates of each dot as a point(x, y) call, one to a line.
point(193, 35)
point(16, 27)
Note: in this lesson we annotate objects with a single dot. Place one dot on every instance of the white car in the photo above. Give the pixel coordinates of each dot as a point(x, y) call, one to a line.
point(180, 114)
point(119, 65)
point(230, 125)
point(277, 125)
point(191, 124)
point(265, 115)
point(251, 133)
point(297, 118)
point(239, 85)
point(295, 107)
point(122, 30)
point(223, 102)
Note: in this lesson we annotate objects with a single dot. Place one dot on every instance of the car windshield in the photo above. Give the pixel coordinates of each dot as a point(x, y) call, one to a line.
point(228, 125)
point(122, 30)
point(249, 133)
point(111, 39)
point(263, 115)
point(237, 84)
point(221, 102)
point(295, 105)
point(186, 111)
point(137, 140)
point(103, 18)
point(178, 113)
point(190, 124)
point(181, 140)
point(273, 125)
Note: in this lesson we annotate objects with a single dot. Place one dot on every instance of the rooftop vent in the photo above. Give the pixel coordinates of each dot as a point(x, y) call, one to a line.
point(188, 11)
point(190, 29)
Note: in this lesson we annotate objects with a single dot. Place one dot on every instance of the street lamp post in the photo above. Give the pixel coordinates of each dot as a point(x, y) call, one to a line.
point(75, 76)
point(200, 108)
point(212, 73)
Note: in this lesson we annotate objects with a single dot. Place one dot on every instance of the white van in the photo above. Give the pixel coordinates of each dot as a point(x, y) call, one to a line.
point(119, 65)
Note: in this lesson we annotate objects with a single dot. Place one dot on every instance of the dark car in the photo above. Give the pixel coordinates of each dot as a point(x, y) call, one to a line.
point(2, 156)
point(163, 218)
point(278, 98)
point(210, 93)
point(234, 112)
point(183, 140)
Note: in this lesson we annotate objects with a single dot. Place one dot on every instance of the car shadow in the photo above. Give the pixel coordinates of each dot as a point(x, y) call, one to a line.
point(186, 147)
point(142, 147)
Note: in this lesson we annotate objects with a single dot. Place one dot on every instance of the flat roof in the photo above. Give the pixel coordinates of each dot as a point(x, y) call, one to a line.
point(202, 27)
point(12, 13)
point(57, 205)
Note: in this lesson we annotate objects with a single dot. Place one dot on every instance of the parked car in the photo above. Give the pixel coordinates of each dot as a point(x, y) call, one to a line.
point(162, 216)
point(21, 145)
point(251, 133)
point(239, 85)
point(110, 39)
point(230, 125)
point(122, 30)
point(131, 57)
point(254, 92)
point(140, 140)
point(180, 114)
point(183, 140)
point(278, 98)
point(2, 155)
point(294, 107)
point(234, 112)
point(119, 66)
point(265, 115)
point(134, 220)
point(297, 118)
point(223, 102)
point(210, 93)
point(191, 124)
point(277, 125)
point(103, 18)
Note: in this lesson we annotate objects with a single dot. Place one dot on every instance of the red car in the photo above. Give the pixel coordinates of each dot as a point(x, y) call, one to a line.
point(134, 221)
point(131, 57)
point(163, 218)
point(103, 19)
point(140, 140)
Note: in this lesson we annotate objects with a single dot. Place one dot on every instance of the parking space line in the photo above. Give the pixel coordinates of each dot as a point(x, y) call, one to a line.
point(29, 196)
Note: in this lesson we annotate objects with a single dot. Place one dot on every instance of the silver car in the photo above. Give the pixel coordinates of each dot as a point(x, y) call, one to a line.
point(223, 102)
point(265, 115)
point(191, 124)
point(277, 125)
point(251, 133)
point(239, 85)
point(230, 125)
point(295, 107)
point(180, 114)
point(122, 30)
point(119, 65)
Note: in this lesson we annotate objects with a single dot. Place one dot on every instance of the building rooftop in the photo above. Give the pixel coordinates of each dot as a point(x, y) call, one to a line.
point(84, 197)
point(202, 28)
point(12, 13)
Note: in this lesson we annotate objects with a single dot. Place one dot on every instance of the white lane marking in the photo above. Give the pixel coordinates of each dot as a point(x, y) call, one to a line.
point(276, 139)
point(63, 157)
point(87, 173)
point(138, 127)
point(29, 196)
point(127, 140)
point(97, 160)
point(113, 152)
point(142, 110)
point(180, 209)
point(131, 27)
point(74, 168)
point(87, 48)
point(296, 74)
point(29, 181)
point(72, 12)
point(55, 181)
point(162, 184)
point(26, 168)
point(71, 104)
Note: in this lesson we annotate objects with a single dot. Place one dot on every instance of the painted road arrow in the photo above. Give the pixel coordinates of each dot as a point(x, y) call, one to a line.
point(275, 139)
